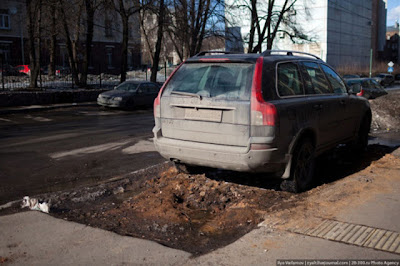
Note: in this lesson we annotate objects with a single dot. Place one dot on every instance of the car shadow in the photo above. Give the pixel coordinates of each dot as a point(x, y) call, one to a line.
point(330, 167)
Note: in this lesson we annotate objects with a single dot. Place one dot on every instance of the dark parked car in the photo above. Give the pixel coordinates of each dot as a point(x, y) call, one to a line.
point(9, 70)
point(366, 87)
point(385, 79)
point(270, 112)
point(350, 76)
point(130, 94)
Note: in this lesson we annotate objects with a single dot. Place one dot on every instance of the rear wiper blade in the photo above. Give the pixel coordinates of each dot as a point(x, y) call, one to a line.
point(187, 94)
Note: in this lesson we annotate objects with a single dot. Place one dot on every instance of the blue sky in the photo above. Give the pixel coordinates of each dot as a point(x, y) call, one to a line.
point(393, 12)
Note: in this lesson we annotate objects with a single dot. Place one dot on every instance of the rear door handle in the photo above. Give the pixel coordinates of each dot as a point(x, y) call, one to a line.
point(343, 102)
point(317, 106)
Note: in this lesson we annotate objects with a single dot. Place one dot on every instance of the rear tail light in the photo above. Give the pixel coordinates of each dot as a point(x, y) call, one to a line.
point(361, 93)
point(157, 101)
point(262, 113)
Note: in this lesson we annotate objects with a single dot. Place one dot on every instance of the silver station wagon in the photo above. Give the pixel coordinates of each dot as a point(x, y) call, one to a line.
point(270, 112)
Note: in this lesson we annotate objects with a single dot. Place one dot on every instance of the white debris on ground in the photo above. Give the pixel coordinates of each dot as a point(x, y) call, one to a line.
point(34, 204)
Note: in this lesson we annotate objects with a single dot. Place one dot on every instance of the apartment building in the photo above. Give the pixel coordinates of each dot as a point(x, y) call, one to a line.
point(106, 47)
point(340, 32)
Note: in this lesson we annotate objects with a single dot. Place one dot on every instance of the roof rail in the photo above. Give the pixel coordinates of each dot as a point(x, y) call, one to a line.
point(288, 52)
point(215, 52)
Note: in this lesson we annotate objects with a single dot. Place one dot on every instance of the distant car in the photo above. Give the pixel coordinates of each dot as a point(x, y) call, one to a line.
point(384, 79)
point(350, 76)
point(23, 69)
point(60, 70)
point(9, 70)
point(130, 94)
point(366, 87)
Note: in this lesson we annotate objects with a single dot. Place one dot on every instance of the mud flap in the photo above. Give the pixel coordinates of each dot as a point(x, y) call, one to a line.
point(286, 174)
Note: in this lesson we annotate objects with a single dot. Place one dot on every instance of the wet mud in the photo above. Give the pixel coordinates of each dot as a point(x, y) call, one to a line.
point(202, 212)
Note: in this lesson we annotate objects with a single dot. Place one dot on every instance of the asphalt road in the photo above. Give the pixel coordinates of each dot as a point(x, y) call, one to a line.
point(64, 148)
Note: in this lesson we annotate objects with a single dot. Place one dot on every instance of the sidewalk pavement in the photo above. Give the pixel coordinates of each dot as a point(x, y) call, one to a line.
point(35, 108)
point(33, 238)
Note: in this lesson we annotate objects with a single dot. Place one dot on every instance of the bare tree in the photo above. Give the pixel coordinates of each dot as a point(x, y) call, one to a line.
point(126, 9)
point(52, 12)
point(72, 41)
point(33, 8)
point(160, 33)
point(265, 25)
point(192, 23)
point(90, 9)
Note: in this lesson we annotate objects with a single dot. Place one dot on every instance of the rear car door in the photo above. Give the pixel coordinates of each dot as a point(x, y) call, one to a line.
point(345, 116)
point(209, 102)
point(295, 112)
point(323, 104)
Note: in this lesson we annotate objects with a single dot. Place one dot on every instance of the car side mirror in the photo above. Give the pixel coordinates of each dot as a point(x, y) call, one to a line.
point(115, 87)
point(355, 88)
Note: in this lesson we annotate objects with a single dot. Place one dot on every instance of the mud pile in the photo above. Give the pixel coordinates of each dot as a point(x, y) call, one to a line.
point(190, 212)
point(201, 213)
point(386, 112)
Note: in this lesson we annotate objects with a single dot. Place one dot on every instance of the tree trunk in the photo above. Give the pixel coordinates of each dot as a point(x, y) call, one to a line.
point(160, 33)
point(71, 59)
point(253, 25)
point(32, 9)
point(89, 40)
point(271, 38)
point(53, 40)
point(203, 28)
point(124, 51)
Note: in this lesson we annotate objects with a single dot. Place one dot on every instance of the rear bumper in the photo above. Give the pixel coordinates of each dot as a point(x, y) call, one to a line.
point(220, 156)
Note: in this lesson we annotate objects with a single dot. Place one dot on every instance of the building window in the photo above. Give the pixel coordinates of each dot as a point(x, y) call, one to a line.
point(107, 27)
point(64, 56)
point(5, 50)
point(109, 57)
point(4, 19)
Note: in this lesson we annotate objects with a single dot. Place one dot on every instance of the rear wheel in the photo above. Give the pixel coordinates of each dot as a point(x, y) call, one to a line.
point(302, 170)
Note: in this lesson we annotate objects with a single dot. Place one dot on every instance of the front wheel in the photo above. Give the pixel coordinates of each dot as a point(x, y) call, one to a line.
point(302, 170)
point(362, 138)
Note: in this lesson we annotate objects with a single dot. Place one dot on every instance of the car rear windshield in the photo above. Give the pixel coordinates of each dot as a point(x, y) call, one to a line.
point(217, 80)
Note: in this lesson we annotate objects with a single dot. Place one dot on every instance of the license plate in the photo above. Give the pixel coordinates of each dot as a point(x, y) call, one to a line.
point(203, 115)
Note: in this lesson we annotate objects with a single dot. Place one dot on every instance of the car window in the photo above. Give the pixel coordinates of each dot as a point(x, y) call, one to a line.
point(144, 88)
point(153, 88)
point(376, 84)
point(219, 80)
point(289, 81)
point(336, 82)
point(365, 84)
point(127, 86)
point(318, 80)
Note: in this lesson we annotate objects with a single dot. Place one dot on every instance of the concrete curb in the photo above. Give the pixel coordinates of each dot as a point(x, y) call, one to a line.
point(36, 108)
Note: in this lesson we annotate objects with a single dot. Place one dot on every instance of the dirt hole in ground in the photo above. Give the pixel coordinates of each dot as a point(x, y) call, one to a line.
point(201, 213)
point(195, 213)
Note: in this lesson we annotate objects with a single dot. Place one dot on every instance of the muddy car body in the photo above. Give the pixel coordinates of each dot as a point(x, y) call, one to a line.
point(257, 113)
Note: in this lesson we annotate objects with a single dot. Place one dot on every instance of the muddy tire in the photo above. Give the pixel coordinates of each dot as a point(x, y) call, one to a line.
point(302, 170)
point(361, 143)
